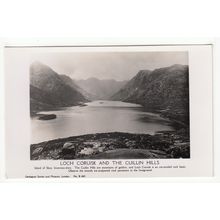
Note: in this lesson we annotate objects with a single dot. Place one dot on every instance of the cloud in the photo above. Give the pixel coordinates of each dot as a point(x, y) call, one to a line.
point(108, 65)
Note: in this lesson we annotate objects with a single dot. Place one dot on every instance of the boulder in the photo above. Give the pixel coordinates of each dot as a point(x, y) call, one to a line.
point(130, 144)
point(87, 151)
point(37, 151)
point(92, 144)
point(181, 150)
point(68, 145)
point(68, 150)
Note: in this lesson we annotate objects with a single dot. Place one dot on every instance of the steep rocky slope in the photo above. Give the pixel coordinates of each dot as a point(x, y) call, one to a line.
point(49, 90)
point(69, 81)
point(164, 90)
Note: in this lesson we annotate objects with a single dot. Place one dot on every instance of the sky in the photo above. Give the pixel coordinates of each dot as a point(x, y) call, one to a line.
point(108, 65)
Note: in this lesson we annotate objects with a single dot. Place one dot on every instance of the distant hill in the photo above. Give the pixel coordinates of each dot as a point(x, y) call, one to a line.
point(165, 90)
point(49, 90)
point(101, 89)
point(69, 81)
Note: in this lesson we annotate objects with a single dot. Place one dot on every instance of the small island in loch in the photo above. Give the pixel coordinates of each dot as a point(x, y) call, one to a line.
point(46, 117)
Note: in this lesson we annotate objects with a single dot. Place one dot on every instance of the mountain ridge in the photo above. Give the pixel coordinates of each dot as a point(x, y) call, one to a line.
point(49, 90)
point(100, 88)
point(164, 90)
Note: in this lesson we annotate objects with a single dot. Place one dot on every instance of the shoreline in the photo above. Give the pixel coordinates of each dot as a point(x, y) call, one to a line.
point(112, 145)
point(35, 114)
point(177, 124)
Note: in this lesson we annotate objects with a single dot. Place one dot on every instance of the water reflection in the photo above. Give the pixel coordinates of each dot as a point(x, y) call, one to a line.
point(97, 117)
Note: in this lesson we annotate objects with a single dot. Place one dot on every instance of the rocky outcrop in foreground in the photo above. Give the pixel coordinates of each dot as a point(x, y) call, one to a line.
point(116, 145)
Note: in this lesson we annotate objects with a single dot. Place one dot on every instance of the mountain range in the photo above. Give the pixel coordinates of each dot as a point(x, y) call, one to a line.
point(50, 90)
point(101, 89)
point(164, 90)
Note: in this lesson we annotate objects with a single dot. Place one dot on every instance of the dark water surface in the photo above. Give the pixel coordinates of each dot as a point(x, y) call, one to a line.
point(97, 117)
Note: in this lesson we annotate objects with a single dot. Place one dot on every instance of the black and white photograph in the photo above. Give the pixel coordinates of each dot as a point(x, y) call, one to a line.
point(109, 105)
point(113, 103)
point(108, 111)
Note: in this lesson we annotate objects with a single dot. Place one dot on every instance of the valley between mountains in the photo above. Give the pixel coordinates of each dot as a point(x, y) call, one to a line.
point(160, 97)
